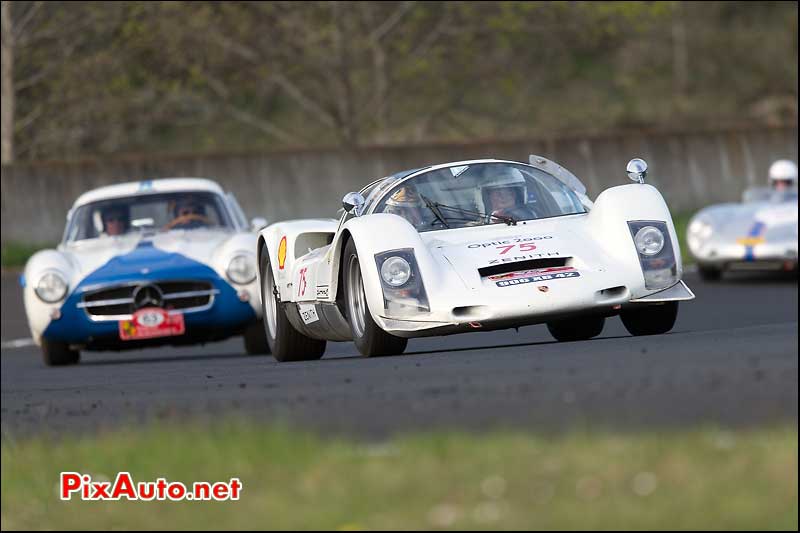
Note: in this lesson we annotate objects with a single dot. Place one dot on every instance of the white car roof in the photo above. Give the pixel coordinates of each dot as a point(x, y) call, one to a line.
point(132, 188)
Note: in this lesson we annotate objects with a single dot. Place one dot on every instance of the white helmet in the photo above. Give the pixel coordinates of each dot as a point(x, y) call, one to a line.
point(501, 178)
point(783, 170)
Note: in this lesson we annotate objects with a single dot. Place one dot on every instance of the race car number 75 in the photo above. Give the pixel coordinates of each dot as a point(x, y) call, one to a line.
point(524, 247)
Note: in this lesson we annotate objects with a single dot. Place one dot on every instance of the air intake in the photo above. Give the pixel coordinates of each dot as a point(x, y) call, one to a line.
point(531, 264)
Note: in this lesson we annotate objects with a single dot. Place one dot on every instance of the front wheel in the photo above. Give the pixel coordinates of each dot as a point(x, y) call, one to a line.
point(576, 329)
point(650, 320)
point(368, 337)
point(59, 354)
point(285, 342)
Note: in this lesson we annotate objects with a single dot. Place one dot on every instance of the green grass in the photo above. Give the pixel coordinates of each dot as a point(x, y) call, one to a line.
point(682, 479)
point(15, 254)
point(681, 220)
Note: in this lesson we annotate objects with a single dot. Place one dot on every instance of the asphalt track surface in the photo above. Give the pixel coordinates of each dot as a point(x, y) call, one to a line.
point(731, 360)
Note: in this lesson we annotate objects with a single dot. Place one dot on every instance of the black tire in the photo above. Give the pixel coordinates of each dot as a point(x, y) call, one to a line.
point(368, 337)
point(255, 339)
point(709, 273)
point(284, 341)
point(577, 329)
point(650, 320)
point(59, 354)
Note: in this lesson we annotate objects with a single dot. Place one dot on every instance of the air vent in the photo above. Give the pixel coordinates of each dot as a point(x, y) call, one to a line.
point(531, 264)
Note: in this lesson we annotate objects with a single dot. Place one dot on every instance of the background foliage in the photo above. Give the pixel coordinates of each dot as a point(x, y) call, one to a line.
point(96, 78)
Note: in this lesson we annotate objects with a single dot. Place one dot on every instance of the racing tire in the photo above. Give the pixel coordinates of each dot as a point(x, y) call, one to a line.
point(284, 341)
point(576, 329)
point(255, 339)
point(368, 337)
point(59, 354)
point(709, 273)
point(650, 320)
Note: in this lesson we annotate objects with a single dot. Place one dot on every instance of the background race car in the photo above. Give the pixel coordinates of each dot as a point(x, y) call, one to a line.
point(146, 263)
point(758, 234)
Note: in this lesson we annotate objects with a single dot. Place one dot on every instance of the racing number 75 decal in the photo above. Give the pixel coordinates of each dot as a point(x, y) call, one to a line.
point(302, 285)
point(524, 247)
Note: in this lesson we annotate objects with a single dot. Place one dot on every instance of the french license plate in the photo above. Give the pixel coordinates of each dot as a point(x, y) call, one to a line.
point(151, 322)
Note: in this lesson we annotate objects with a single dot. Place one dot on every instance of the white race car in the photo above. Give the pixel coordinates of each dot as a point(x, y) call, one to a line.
point(471, 246)
point(758, 234)
point(168, 261)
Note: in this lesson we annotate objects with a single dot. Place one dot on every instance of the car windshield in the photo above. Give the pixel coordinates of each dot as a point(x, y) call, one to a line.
point(152, 212)
point(766, 194)
point(478, 194)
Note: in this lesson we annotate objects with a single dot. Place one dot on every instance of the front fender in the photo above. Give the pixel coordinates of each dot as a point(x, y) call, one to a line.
point(377, 233)
point(608, 224)
point(38, 311)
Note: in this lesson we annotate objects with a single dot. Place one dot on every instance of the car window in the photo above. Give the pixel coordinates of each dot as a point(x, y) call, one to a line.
point(478, 194)
point(153, 212)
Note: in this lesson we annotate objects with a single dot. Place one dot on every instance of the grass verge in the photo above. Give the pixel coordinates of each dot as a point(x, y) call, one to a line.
point(679, 479)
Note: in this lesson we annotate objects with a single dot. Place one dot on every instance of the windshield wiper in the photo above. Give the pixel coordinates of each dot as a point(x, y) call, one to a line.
point(511, 221)
point(434, 207)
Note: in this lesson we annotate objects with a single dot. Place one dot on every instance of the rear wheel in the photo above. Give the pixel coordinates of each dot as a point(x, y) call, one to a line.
point(709, 273)
point(576, 329)
point(285, 342)
point(59, 354)
point(650, 320)
point(368, 337)
point(255, 339)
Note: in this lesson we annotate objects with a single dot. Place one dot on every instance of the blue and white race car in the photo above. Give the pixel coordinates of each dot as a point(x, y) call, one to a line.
point(147, 263)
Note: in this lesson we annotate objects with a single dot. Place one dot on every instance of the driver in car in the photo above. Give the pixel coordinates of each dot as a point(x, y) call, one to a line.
point(783, 175)
point(115, 220)
point(405, 202)
point(505, 194)
point(188, 213)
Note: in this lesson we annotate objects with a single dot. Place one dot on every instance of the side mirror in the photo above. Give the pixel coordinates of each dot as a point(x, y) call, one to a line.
point(353, 202)
point(637, 170)
point(258, 223)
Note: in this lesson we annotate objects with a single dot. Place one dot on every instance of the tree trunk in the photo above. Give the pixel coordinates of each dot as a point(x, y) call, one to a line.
point(7, 102)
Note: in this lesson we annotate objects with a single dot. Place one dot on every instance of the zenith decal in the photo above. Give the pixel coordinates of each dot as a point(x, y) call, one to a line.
point(522, 258)
point(322, 292)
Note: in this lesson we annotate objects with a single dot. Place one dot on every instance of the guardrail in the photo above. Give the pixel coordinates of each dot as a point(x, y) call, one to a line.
point(692, 169)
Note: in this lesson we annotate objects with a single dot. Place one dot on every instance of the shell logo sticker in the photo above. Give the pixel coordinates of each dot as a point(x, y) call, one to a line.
point(282, 253)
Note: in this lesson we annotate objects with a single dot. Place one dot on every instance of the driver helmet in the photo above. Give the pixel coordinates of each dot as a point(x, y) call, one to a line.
point(405, 202)
point(503, 178)
point(783, 174)
point(188, 205)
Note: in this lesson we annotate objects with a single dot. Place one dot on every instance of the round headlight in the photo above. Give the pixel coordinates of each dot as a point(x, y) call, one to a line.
point(242, 269)
point(699, 231)
point(51, 287)
point(649, 240)
point(395, 271)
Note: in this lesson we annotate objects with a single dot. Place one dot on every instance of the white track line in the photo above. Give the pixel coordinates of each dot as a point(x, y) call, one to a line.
point(16, 343)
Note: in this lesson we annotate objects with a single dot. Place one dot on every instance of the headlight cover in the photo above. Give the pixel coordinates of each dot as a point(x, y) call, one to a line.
point(241, 269)
point(403, 290)
point(655, 251)
point(51, 288)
